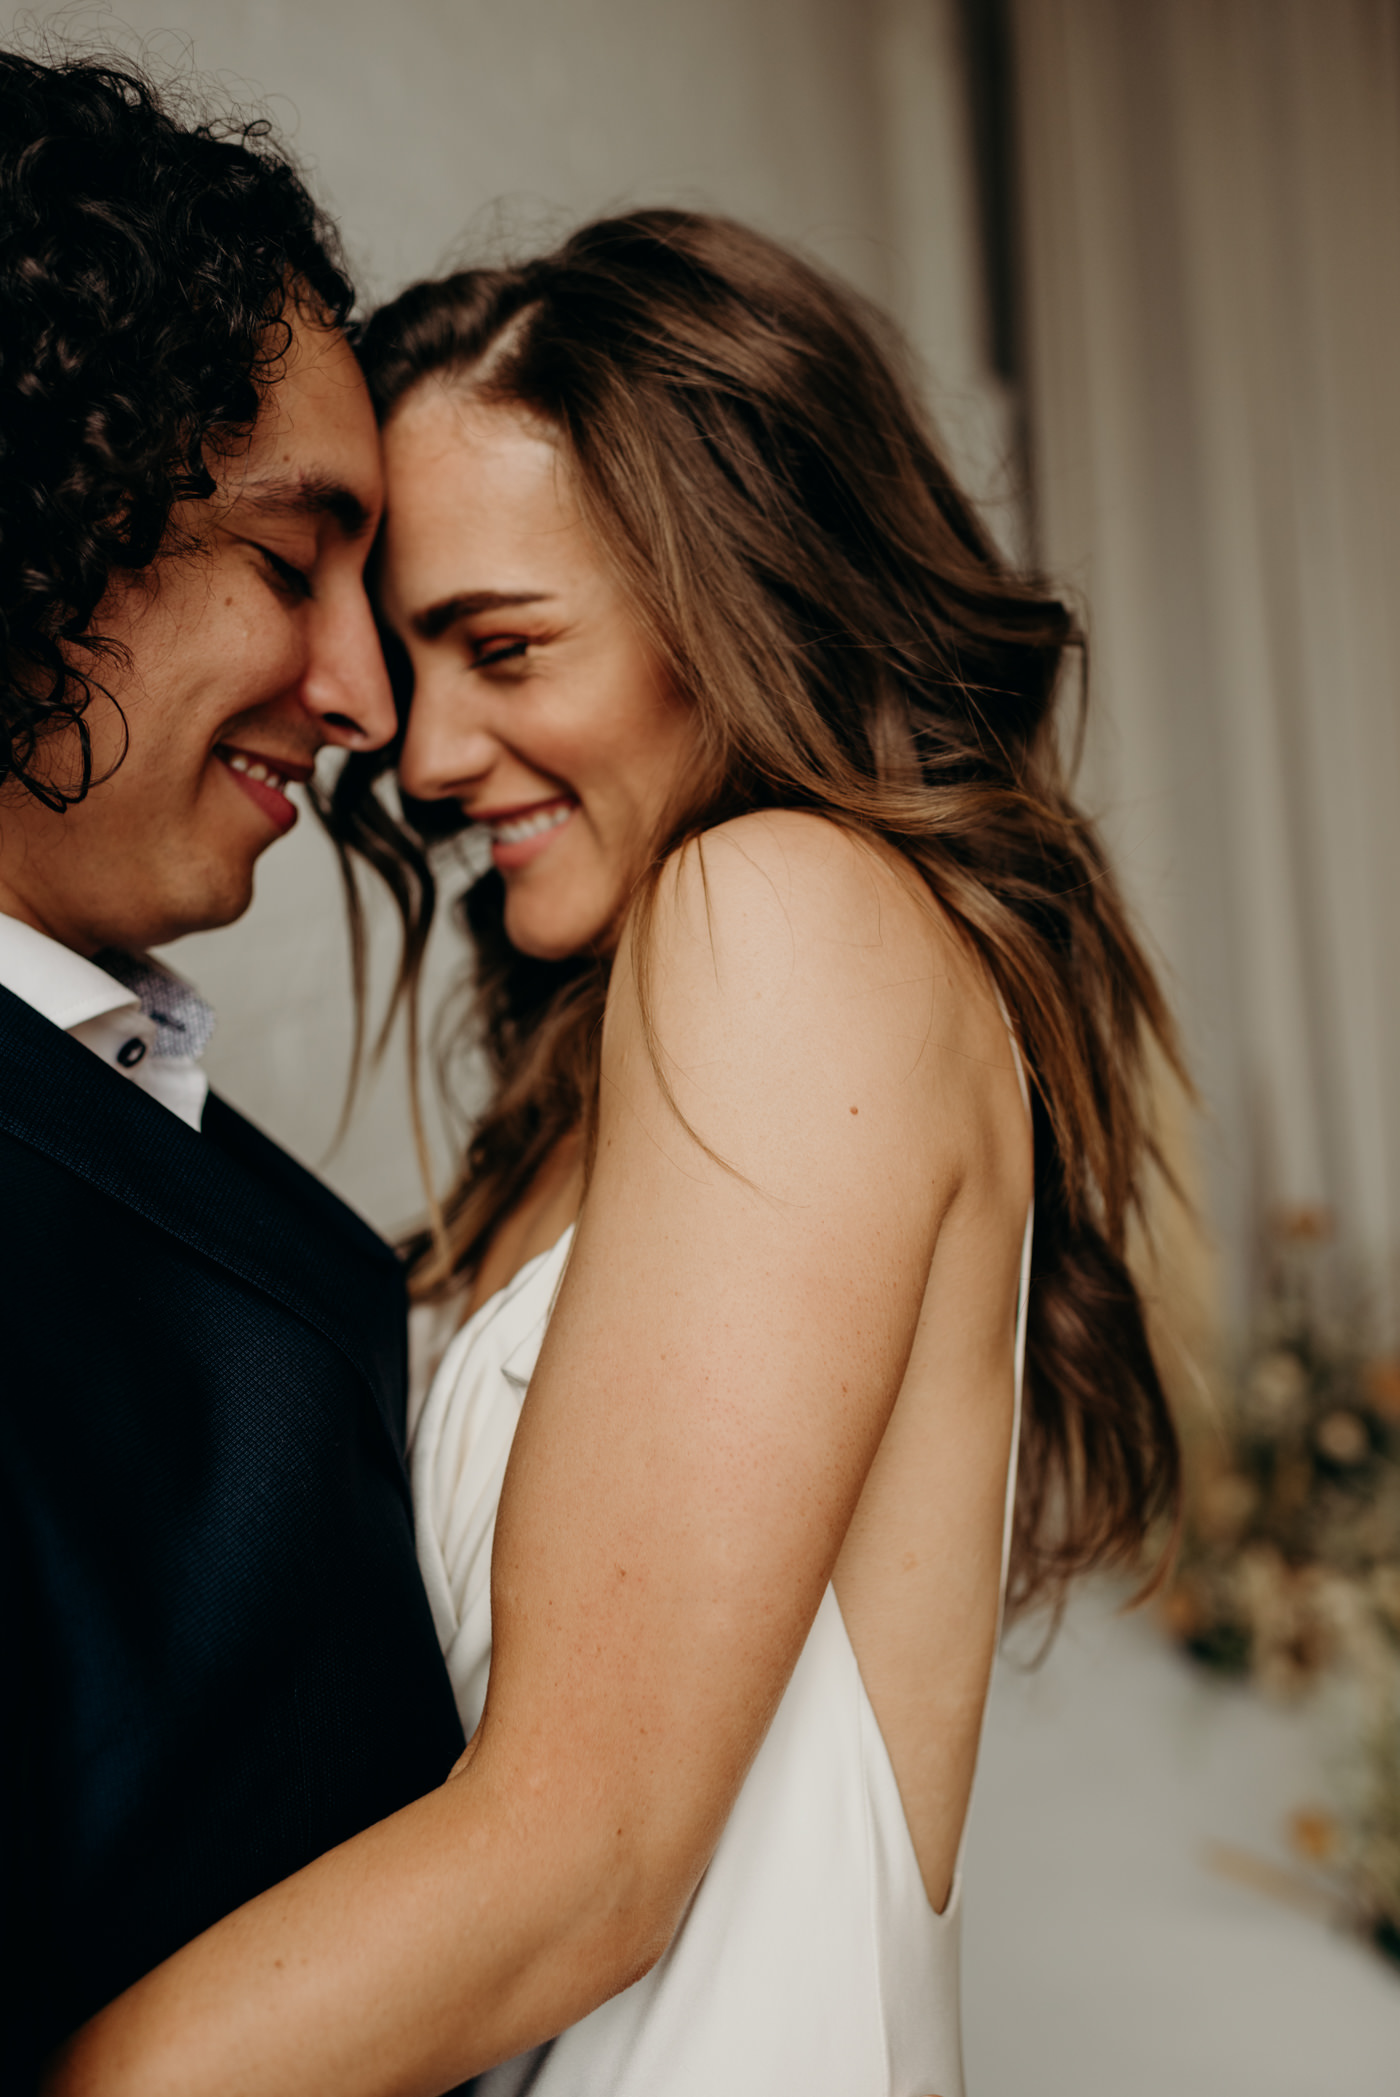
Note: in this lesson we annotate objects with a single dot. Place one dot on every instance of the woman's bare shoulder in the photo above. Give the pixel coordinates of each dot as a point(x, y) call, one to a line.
point(801, 849)
point(788, 963)
point(807, 909)
point(805, 877)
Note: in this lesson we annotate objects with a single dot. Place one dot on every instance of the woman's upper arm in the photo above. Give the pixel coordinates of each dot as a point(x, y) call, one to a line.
point(729, 1338)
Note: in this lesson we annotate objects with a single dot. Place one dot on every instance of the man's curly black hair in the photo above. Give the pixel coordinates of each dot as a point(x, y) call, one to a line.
point(146, 271)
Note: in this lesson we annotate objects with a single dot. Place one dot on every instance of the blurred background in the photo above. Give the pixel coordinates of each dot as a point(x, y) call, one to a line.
point(1148, 256)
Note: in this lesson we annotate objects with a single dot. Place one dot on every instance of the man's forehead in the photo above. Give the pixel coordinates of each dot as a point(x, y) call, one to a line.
point(314, 451)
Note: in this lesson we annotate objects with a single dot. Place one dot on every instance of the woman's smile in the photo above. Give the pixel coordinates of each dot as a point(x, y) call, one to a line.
point(519, 836)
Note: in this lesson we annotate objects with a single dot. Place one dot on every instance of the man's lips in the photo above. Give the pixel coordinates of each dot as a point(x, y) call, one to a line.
point(264, 779)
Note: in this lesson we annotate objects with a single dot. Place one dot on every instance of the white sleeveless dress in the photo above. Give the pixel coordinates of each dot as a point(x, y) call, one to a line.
point(809, 1962)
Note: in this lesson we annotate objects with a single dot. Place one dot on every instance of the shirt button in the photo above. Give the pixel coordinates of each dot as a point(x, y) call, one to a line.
point(131, 1053)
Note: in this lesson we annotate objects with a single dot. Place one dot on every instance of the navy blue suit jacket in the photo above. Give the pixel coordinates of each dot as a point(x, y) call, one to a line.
point(217, 1659)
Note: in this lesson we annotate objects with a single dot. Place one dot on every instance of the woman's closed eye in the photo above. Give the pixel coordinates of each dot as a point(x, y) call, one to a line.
point(496, 651)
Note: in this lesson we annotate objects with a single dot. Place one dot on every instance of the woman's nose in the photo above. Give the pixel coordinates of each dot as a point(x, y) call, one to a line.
point(447, 746)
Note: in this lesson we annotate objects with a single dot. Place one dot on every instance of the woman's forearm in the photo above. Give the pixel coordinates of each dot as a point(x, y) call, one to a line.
point(461, 1931)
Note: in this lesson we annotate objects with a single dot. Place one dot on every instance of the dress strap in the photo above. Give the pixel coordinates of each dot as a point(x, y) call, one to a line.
point(1022, 1310)
point(1023, 1294)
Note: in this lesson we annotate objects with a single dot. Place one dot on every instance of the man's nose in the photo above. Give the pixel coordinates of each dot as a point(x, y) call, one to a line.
point(346, 686)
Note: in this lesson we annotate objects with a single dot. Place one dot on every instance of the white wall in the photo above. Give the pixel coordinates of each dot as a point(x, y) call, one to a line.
point(833, 123)
point(1213, 233)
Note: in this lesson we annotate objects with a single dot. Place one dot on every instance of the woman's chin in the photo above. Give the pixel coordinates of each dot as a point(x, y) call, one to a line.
point(550, 937)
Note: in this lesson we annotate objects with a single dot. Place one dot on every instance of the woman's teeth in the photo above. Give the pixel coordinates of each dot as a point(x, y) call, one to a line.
point(256, 769)
point(539, 820)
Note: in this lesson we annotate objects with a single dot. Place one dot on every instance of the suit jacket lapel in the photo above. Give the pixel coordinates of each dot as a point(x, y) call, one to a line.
point(215, 1191)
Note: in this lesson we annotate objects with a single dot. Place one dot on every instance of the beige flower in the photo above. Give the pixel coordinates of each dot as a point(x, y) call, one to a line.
point(1276, 1391)
point(1341, 1437)
point(1224, 1503)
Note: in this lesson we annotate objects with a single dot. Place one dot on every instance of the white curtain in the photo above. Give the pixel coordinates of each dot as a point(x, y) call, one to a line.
point(1211, 197)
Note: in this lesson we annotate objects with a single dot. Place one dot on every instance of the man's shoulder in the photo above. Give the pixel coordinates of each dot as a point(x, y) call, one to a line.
point(59, 1099)
point(264, 1159)
point(98, 1174)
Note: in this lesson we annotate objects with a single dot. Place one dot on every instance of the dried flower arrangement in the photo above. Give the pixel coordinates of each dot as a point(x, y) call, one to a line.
point(1290, 1554)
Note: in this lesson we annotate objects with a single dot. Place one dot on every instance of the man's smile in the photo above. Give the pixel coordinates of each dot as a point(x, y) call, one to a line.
point(265, 780)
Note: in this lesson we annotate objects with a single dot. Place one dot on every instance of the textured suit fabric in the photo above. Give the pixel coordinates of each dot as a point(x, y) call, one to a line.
point(218, 1660)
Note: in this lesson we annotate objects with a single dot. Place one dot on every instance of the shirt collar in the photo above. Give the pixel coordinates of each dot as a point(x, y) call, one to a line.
point(59, 984)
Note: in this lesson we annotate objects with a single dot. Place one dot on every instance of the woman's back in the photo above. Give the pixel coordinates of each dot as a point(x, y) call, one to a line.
point(921, 1573)
point(811, 1956)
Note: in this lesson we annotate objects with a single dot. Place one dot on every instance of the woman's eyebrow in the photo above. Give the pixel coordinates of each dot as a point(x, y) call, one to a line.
point(467, 604)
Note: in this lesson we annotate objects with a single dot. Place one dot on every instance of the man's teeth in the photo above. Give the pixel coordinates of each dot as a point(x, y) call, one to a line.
point(256, 769)
point(539, 820)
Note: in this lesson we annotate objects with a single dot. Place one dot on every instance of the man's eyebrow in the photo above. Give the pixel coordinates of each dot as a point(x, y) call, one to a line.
point(308, 495)
point(467, 604)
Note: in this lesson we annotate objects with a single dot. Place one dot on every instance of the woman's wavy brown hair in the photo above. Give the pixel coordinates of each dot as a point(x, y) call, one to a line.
point(753, 465)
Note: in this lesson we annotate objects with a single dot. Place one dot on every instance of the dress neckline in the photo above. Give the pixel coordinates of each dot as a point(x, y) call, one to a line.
point(508, 1288)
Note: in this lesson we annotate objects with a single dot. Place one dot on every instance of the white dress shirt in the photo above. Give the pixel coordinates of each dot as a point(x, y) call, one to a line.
point(103, 1014)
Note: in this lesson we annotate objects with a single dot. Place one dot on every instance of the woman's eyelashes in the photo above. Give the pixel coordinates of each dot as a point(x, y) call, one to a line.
point(498, 651)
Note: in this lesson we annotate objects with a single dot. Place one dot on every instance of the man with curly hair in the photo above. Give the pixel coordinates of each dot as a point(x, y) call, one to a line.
point(219, 1661)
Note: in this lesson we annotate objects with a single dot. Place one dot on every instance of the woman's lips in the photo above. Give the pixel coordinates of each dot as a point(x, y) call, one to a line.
point(264, 784)
point(522, 835)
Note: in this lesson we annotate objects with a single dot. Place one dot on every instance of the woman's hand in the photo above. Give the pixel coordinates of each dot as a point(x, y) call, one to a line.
point(780, 1134)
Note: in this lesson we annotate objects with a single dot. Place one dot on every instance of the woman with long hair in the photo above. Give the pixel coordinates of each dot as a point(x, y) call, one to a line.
point(790, 1243)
